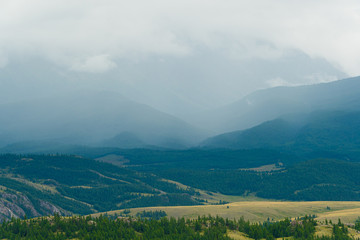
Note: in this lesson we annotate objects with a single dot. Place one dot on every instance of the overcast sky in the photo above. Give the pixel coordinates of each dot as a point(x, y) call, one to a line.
point(116, 39)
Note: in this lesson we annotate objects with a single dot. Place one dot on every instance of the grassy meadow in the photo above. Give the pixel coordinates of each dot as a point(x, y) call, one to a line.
point(256, 211)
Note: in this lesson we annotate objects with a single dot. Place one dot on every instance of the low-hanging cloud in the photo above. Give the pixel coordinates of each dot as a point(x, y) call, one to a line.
point(89, 35)
point(3, 61)
point(94, 64)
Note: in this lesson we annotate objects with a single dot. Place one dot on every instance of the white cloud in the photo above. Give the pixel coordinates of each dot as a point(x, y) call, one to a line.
point(65, 31)
point(95, 64)
point(307, 80)
point(276, 82)
point(3, 61)
point(320, 78)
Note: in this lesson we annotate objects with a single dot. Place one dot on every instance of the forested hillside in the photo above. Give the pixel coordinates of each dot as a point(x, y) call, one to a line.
point(319, 179)
point(36, 185)
point(331, 133)
point(267, 104)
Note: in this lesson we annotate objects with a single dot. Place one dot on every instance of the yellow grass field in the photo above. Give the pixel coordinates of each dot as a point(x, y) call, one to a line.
point(258, 211)
point(255, 211)
point(346, 215)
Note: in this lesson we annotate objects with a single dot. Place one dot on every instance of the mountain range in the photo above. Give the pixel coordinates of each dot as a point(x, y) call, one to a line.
point(108, 119)
point(93, 118)
point(269, 104)
point(320, 131)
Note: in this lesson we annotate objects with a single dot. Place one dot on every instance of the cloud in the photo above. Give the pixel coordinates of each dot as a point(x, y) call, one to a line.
point(3, 61)
point(320, 78)
point(314, 78)
point(65, 31)
point(95, 64)
point(276, 82)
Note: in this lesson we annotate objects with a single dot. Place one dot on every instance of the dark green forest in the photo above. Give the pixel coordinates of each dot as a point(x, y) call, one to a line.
point(80, 185)
point(75, 184)
point(319, 179)
point(87, 227)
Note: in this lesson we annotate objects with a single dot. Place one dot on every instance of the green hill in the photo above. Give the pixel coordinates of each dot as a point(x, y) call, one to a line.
point(43, 184)
point(267, 104)
point(314, 180)
point(321, 131)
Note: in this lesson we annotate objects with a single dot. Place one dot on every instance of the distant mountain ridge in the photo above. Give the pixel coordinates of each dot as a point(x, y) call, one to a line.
point(107, 119)
point(124, 140)
point(336, 131)
point(268, 104)
point(91, 118)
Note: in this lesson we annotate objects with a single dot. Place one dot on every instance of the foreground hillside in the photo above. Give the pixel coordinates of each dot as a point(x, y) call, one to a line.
point(37, 185)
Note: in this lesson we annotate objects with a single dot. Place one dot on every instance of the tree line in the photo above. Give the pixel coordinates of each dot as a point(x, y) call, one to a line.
point(103, 227)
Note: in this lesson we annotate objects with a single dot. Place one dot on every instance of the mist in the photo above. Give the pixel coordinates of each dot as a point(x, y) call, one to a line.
point(169, 67)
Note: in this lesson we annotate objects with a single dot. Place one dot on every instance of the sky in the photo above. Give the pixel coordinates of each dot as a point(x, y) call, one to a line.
point(178, 56)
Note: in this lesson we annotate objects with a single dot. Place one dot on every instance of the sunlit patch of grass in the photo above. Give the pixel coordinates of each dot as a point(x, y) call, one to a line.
point(254, 210)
